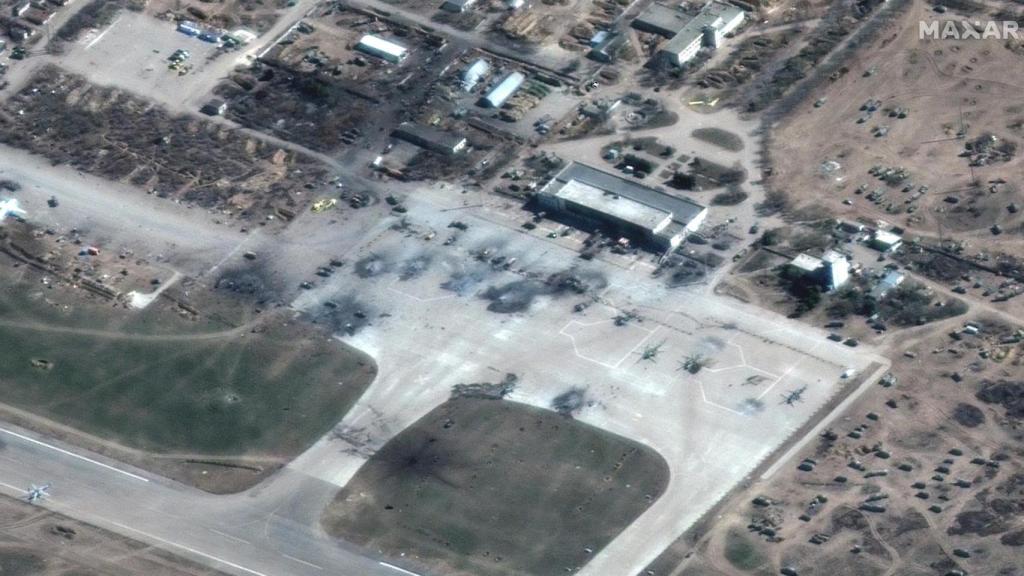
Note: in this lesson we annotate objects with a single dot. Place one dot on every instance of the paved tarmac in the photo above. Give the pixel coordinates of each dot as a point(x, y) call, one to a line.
point(268, 531)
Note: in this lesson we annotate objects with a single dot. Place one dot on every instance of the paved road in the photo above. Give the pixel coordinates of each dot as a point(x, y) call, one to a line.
point(268, 531)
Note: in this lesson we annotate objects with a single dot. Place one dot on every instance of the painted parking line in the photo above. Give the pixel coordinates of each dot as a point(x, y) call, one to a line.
point(396, 568)
point(187, 549)
point(73, 455)
point(229, 536)
point(301, 561)
point(101, 35)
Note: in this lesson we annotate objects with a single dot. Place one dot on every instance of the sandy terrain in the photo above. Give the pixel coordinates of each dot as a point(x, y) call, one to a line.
point(823, 155)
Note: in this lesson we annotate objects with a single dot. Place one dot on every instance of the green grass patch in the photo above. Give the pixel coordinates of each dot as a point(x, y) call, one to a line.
point(206, 391)
point(742, 552)
point(718, 137)
point(495, 488)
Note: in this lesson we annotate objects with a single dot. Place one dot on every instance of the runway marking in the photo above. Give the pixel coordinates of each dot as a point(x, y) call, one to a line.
point(637, 347)
point(15, 488)
point(789, 370)
point(579, 354)
point(101, 35)
point(392, 288)
point(229, 536)
point(229, 255)
point(743, 363)
point(73, 455)
point(23, 491)
point(187, 549)
point(301, 561)
point(393, 567)
point(704, 397)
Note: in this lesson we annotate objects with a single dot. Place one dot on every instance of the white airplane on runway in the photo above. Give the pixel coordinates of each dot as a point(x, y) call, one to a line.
point(37, 493)
point(8, 207)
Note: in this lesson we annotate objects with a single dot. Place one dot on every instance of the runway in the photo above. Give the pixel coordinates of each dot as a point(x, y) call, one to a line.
point(270, 530)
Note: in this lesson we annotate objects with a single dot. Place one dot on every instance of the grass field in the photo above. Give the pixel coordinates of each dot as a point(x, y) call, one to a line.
point(266, 390)
point(721, 138)
point(495, 488)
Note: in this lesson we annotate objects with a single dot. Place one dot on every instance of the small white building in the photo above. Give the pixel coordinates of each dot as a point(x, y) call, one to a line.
point(383, 49)
point(504, 90)
point(806, 264)
point(471, 76)
point(885, 241)
point(243, 36)
point(891, 280)
point(832, 270)
point(457, 5)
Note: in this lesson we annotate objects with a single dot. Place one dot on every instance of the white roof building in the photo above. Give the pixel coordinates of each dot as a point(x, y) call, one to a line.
point(837, 269)
point(688, 34)
point(891, 280)
point(472, 75)
point(832, 269)
point(807, 263)
point(243, 36)
point(457, 5)
point(630, 208)
point(886, 241)
point(381, 48)
point(504, 90)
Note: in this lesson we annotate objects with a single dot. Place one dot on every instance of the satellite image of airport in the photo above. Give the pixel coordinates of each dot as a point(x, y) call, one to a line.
point(511, 287)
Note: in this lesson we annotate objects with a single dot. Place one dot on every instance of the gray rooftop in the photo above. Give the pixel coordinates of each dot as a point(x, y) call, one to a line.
point(418, 134)
point(661, 19)
point(619, 197)
point(714, 14)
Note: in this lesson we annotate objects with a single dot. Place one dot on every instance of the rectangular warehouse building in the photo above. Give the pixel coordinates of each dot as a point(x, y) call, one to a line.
point(662, 20)
point(381, 48)
point(625, 206)
point(504, 90)
point(687, 34)
point(429, 138)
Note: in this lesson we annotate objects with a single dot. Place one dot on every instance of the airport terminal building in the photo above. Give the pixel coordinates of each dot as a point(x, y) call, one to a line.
point(625, 206)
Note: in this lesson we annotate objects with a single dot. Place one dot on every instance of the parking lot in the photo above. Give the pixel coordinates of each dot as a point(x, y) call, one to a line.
point(132, 53)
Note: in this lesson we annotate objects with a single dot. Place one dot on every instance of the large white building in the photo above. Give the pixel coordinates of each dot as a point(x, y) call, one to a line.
point(381, 48)
point(624, 206)
point(504, 90)
point(688, 34)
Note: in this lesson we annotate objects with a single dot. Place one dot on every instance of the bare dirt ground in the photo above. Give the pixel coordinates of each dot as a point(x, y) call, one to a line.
point(439, 316)
point(822, 155)
point(315, 89)
point(37, 542)
point(254, 15)
point(120, 137)
point(921, 477)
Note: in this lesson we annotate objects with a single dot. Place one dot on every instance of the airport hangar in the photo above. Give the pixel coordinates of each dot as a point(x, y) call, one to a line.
point(626, 207)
